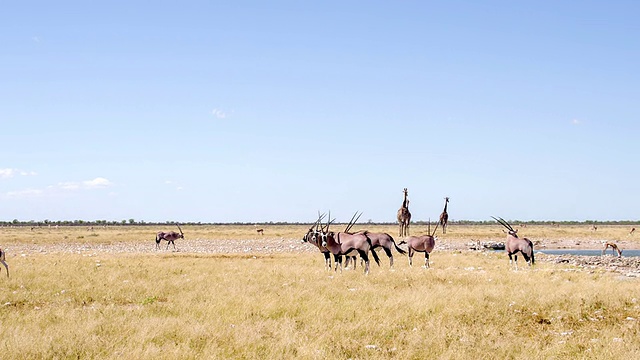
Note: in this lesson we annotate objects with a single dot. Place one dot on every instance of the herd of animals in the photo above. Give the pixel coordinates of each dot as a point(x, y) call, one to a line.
point(346, 244)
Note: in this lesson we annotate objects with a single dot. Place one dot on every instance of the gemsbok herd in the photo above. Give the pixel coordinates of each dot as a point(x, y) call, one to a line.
point(349, 244)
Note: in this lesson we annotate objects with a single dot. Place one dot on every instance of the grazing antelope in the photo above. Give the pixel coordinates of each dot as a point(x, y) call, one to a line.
point(404, 216)
point(632, 231)
point(424, 243)
point(260, 231)
point(613, 247)
point(3, 260)
point(170, 237)
point(515, 245)
point(342, 243)
point(444, 217)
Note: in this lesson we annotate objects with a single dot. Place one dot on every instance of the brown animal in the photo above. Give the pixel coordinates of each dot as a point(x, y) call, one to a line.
point(260, 231)
point(444, 217)
point(3, 260)
point(613, 247)
point(632, 231)
point(515, 245)
point(170, 237)
point(404, 216)
point(424, 243)
point(342, 243)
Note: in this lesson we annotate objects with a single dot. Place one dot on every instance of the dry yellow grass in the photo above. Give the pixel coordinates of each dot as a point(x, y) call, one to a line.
point(170, 305)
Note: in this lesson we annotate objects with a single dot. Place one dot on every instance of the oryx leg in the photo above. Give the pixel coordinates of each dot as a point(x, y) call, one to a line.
point(411, 252)
point(327, 261)
point(390, 255)
point(6, 266)
point(364, 256)
point(426, 260)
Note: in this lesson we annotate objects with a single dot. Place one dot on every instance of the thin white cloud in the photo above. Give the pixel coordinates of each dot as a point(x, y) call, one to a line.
point(9, 173)
point(25, 193)
point(179, 188)
point(575, 122)
point(219, 114)
point(97, 183)
point(35, 39)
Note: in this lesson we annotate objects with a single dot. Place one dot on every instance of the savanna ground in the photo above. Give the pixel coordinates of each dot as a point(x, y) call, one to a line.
point(228, 292)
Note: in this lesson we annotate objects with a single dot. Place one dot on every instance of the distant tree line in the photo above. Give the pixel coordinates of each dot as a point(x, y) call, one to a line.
point(133, 222)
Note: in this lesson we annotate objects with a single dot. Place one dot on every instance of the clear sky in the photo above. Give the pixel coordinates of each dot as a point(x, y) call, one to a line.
point(255, 111)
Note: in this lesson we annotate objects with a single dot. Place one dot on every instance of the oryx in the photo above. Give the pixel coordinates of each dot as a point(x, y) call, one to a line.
point(424, 243)
point(515, 245)
point(341, 243)
point(170, 237)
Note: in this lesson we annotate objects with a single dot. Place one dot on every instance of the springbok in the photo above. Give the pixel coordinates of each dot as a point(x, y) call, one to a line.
point(613, 247)
point(404, 216)
point(444, 217)
point(514, 244)
point(170, 237)
point(632, 231)
point(424, 243)
point(3, 260)
point(342, 243)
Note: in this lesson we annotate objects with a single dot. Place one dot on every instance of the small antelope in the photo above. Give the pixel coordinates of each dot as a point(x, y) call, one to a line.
point(632, 231)
point(613, 247)
point(170, 237)
point(260, 231)
point(3, 261)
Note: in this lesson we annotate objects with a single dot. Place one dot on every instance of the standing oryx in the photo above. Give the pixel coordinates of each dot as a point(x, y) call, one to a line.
point(424, 243)
point(170, 237)
point(404, 216)
point(3, 260)
point(514, 244)
point(342, 243)
point(378, 240)
point(313, 236)
point(444, 217)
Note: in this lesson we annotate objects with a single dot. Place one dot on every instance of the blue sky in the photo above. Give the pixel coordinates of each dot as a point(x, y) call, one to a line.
point(258, 111)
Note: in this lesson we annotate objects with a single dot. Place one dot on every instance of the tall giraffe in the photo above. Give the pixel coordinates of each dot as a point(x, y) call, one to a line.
point(404, 216)
point(444, 217)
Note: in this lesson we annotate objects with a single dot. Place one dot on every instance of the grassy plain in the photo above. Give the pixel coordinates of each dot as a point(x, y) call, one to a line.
point(181, 305)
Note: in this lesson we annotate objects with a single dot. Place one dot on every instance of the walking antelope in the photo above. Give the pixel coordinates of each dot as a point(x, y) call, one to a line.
point(613, 247)
point(170, 237)
point(444, 217)
point(515, 245)
point(342, 243)
point(3, 260)
point(632, 231)
point(404, 216)
point(424, 243)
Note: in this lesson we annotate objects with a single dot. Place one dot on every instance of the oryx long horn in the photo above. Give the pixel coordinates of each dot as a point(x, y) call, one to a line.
point(352, 221)
point(179, 228)
point(435, 229)
point(503, 223)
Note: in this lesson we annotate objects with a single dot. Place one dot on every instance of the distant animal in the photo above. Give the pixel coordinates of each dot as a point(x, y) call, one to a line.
point(170, 237)
point(444, 217)
point(593, 227)
point(260, 231)
point(404, 216)
point(632, 231)
point(515, 245)
point(613, 247)
point(3, 260)
point(424, 243)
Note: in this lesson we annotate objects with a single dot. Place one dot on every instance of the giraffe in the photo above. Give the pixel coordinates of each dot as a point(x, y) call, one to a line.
point(404, 216)
point(444, 217)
